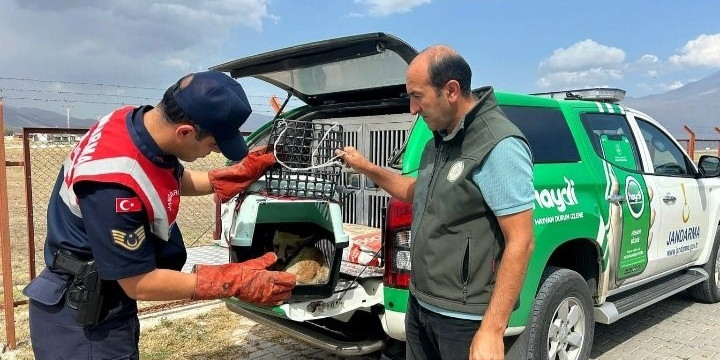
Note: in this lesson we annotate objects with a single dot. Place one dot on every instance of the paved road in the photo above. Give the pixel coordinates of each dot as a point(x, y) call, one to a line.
point(674, 329)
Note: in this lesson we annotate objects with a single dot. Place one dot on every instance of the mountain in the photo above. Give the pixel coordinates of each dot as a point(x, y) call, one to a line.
point(255, 121)
point(696, 104)
point(17, 118)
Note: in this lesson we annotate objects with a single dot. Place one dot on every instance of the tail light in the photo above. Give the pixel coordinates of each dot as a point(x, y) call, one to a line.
point(397, 244)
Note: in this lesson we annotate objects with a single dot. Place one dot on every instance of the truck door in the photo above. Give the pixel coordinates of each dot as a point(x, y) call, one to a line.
point(625, 193)
point(376, 137)
point(684, 228)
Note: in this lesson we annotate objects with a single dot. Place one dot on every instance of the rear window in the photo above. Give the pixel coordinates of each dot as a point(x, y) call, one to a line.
point(376, 71)
point(547, 132)
point(612, 129)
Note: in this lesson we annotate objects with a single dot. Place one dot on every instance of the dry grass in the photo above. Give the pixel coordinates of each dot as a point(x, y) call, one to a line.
point(215, 335)
point(221, 334)
point(206, 336)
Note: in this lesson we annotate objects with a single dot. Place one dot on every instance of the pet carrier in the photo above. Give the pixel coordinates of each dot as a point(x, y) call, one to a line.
point(291, 228)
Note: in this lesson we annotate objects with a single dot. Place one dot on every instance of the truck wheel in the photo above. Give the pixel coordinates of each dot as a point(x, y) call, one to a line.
point(562, 323)
point(708, 290)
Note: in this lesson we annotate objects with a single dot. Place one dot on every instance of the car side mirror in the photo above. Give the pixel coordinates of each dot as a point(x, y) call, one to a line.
point(709, 166)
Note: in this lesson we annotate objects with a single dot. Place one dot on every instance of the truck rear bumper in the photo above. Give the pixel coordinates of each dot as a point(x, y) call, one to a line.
point(309, 335)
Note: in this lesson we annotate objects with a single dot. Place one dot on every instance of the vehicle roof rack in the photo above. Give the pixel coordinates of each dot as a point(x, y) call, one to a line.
point(609, 95)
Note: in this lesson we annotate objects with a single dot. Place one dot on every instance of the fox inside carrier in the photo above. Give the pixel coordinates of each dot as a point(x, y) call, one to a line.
point(294, 209)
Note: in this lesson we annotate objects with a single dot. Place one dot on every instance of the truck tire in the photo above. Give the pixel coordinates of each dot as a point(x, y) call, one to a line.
point(709, 291)
point(562, 324)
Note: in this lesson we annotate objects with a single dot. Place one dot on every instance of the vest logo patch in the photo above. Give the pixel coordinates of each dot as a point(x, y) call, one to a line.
point(455, 170)
point(125, 205)
point(129, 240)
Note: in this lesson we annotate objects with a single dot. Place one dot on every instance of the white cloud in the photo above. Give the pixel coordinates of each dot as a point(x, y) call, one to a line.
point(594, 77)
point(672, 86)
point(647, 60)
point(583, 64)
point(388, 7)
point(583, 55)
point(126, 42)
point(702, 51)
point(213, 12)
point(119, 41)
point(648, 66)
point(179, 64)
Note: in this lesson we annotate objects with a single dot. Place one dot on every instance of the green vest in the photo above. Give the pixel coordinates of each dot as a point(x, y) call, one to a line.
point(456, 240)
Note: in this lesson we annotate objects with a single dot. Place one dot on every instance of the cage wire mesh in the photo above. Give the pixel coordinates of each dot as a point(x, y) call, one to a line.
point(307, 166)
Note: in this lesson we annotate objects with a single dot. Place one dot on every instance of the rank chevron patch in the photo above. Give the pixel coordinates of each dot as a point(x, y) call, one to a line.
point(129, 240)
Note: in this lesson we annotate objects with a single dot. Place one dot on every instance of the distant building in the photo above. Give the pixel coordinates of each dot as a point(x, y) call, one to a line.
point(55, 138)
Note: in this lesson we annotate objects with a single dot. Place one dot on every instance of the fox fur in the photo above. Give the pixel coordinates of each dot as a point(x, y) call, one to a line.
point(307, 263)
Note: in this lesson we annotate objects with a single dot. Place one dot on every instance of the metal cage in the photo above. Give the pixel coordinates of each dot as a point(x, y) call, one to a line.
point(307, 166)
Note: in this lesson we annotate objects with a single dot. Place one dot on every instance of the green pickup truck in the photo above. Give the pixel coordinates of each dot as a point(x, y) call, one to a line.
point(623, 216)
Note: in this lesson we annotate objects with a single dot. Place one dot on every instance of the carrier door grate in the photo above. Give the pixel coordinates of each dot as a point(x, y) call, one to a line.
point(349, 209)
point(383, 143)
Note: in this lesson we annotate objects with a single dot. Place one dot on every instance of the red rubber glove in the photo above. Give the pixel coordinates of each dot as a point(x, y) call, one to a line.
point(248, 281)
point(232, 180)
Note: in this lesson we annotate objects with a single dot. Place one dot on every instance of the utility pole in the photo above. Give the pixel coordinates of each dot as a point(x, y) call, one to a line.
point(68, 117)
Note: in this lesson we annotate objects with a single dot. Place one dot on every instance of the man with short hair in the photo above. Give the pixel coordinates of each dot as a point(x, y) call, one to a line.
point(112, 237)
point(472, 231)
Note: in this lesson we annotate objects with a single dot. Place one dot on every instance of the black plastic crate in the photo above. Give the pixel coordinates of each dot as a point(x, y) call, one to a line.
point(307, 166)
point(333, 258)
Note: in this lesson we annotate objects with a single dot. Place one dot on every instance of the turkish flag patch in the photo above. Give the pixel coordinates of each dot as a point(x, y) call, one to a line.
point(125, 205)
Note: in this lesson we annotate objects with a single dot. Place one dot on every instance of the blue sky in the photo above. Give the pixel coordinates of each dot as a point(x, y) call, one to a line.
point(644, 47)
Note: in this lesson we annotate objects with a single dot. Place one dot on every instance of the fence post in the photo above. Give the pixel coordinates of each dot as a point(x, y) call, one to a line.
point(29, 203)
point(691, 142)
point(275, 104)
point(8, 301)
point(718, 130)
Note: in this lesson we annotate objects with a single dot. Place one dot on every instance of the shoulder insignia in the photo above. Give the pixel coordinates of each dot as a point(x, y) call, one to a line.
point(129, 240)
point(124, 205)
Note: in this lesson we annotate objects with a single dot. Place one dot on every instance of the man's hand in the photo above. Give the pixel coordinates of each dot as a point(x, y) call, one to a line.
point(248, 281)
point(398, 186)
point(486, 345)
point(353, 158)
point(232, 180)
